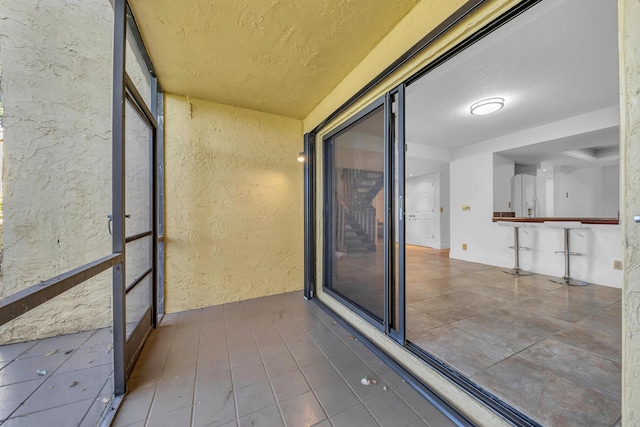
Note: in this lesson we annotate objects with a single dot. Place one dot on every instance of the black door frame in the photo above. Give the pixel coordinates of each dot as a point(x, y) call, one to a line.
point(398, 334)
point(327, 213)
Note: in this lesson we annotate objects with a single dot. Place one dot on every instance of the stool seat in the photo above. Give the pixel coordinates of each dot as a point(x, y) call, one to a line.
point(567, 226)
point(512, 224)
point(571, 225)
point(516, 246)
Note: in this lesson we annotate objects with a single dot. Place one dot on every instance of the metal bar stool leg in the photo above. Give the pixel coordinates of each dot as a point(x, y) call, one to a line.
point(567, 279)
point(516, 248)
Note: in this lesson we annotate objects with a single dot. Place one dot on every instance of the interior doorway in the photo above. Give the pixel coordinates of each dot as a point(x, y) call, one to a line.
point(422, 227)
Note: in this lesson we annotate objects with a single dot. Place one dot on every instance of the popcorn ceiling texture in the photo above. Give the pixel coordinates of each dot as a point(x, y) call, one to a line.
point(629, 16)
point(234, 204)
point(257, 53)
point(56, 59)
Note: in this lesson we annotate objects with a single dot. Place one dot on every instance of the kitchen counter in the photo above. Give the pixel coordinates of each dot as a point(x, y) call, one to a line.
point(610, 221)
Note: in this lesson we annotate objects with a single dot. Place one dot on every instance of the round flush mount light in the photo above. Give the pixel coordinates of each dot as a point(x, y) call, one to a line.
point(487, 106)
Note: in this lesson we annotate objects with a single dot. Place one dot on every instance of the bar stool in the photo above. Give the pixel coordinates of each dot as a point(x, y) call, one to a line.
point(516, 247)
point(567, 226)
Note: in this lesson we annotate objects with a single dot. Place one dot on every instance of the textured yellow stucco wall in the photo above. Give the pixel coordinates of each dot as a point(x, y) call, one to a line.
point(629, 16)
point(57, 72)
point(234, 204)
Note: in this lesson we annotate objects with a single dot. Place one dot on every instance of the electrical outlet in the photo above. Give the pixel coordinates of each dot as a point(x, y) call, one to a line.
point(441, 210)
point(466, 208)
point(464, 246)
point(617, 265)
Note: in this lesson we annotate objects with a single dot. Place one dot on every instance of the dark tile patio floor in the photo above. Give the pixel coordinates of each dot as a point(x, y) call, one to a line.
point(58, 381)
point(272, 361)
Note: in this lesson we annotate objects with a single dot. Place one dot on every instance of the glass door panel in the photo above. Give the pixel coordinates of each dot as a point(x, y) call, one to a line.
point(355, 194)
point(139, 193)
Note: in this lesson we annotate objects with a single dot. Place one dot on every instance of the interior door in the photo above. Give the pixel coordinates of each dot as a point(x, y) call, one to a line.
point(421, 202)
point(425, 212)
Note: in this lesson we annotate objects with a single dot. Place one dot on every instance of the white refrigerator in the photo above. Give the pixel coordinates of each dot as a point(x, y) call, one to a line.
point(524, 196)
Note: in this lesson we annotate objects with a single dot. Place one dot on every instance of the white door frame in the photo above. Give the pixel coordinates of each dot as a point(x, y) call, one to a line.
point(435, 178)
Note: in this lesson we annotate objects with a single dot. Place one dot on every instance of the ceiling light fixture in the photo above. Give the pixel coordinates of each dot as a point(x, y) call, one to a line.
point(487, 106)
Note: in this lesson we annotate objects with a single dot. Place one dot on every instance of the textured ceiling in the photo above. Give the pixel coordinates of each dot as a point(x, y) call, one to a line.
point(557, 60)
point(281, 57)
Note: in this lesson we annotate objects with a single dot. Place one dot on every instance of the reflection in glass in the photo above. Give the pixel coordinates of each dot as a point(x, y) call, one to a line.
point(138, 173)
point(138, 301)
point(397, 199)
point(356, 188)
point(137, 70)
point(138, 255)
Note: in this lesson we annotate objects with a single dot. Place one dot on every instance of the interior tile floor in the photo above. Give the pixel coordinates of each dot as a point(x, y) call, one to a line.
point(550, 350)
point(272, 361)
point(59, 381)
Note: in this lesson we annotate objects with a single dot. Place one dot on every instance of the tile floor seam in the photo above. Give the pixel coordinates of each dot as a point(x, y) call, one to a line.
point(329, 360)
point(233, 385)
point(157, 383)
point(328, 326)
point(296, 360)
point(284, 421)
point(34, 343)
point(195, 377)
point(493, 364)
point(96, 399)
point(47, 379)
point(573, 324)
point(54, 407)
point(584, 384)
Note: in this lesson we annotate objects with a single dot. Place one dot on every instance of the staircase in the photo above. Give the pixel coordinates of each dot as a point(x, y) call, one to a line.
point(365, 184)
point(356, 215)
point(356, 238)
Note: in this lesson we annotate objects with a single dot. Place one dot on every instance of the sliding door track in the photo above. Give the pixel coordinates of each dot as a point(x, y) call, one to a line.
point(443, 406)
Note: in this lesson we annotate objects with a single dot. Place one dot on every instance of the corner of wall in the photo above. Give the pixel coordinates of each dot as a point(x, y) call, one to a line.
point(234, 203)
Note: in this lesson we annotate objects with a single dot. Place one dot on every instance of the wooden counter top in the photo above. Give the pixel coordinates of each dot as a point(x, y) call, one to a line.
point(610, 221)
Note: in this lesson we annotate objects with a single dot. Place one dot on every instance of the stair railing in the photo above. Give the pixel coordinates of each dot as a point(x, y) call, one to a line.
point(342, 212)
point(366, 217)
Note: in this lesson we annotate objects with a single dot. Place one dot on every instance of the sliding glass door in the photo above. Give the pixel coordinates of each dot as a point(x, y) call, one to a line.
point(355, 213)
point(363, 214)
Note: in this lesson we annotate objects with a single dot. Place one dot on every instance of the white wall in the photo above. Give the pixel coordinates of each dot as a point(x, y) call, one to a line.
point(503, 171)
point(611, 191)
point(472, 184)
point(592, 191)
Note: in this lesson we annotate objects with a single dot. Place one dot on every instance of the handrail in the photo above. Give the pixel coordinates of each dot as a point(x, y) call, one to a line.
point(33, 296)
